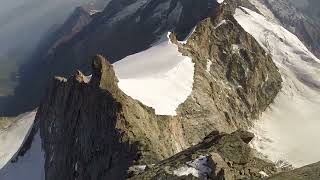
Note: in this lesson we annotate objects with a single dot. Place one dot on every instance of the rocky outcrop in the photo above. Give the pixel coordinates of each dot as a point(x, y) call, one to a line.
point(80, 127)
point(92, 130)
point(218, 156)
point(235, 79)
point(310, 172)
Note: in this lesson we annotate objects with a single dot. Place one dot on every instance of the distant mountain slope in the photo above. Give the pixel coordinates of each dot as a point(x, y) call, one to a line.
point(303, 21)
point(24, 23)
point(123, 28)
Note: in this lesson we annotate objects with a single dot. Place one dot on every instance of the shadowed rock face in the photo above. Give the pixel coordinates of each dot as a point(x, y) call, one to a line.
point(78, 126)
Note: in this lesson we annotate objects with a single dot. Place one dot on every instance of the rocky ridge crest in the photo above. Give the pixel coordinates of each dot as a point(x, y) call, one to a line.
point(91, 130)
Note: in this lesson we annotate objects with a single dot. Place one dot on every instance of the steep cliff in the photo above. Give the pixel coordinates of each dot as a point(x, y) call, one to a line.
point(218, 156)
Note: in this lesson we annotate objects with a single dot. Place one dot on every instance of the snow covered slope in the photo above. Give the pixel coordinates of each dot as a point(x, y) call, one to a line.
point(159, 77)
point(289, 129)
point(31, 164)
point(29, 167)
point(12, 138)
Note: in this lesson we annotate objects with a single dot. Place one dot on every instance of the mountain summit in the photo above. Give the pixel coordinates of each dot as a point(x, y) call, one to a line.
point(170, 89)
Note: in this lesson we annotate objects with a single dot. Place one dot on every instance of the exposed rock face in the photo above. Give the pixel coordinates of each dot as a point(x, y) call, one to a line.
point(92, 130)
point(81, 136)
point(218, 156)
point(235, 79)
point(310, 172)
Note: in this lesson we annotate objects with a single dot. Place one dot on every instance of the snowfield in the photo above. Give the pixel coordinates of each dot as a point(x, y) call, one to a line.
point(12, 138)
point(28, 167)
point(159, 77)
point(31, 164)
point(290, 129)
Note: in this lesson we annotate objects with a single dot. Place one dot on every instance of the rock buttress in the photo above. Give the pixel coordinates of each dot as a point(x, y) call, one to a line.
point(219, 156)
point(91, 130)
point(78, 125)
point(235, 80)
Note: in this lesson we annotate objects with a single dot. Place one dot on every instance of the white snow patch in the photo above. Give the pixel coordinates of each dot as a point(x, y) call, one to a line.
point(264, 174)
point(159, 77)
point(209, 64)
point(235, 48)
point(12, 138)
point(220, 1)
point(29, 167)
point(140, 167)
point(220, 24)
point(289, 129)
point(198, 167)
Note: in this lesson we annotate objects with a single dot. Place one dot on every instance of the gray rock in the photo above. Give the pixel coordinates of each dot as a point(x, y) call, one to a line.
point(215, 162)
point(310, 172)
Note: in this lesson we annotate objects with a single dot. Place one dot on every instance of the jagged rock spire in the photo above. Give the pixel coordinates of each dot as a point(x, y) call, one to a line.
point(103, 75)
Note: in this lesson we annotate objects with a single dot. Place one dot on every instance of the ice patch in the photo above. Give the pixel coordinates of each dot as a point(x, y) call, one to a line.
point(198, 168)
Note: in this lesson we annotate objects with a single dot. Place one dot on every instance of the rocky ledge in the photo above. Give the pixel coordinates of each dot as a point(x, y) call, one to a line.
point(218, 156)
